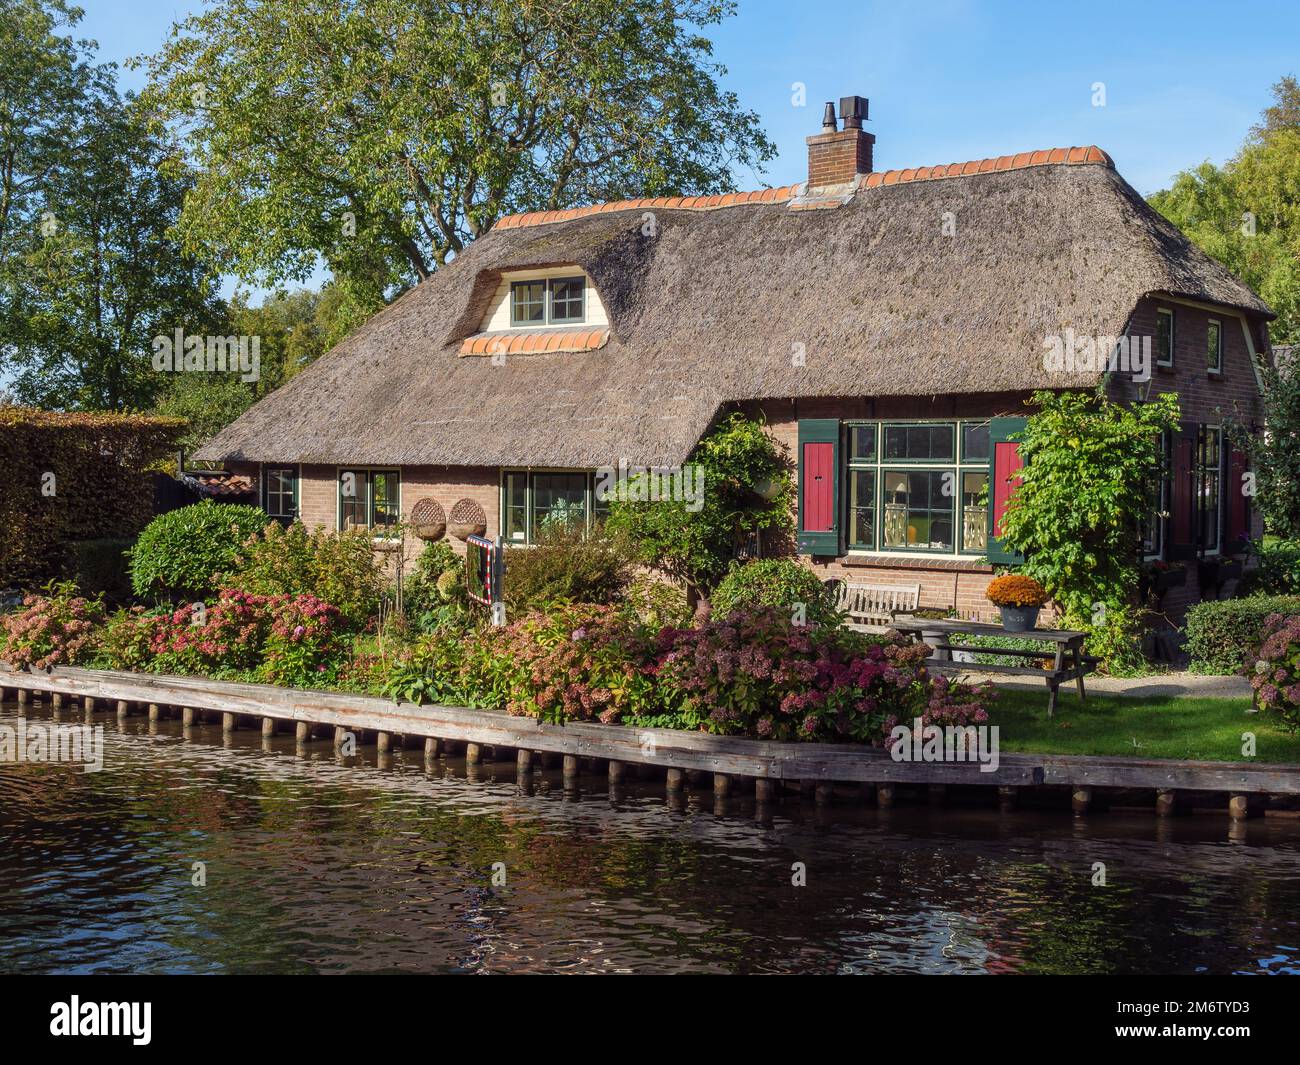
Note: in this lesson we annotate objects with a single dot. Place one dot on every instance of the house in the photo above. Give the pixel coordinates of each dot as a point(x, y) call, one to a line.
point(888, 326)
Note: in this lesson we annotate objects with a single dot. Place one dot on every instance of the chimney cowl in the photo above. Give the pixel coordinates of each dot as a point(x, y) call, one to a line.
point(853, 109)
point(837, 157)
point(828, 118)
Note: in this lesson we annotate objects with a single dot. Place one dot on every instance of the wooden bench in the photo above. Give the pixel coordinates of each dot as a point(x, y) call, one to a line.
point(873, 607)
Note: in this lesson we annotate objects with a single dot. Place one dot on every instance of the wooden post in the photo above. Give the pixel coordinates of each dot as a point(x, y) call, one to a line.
point(302, 731)
point(384, 742)
point(885, 796)
point(88, 703)
point(430, 748)
point(524, 760)
point(570, 767)
point(1080, 799)
point(23, 696)
point(675, 780)
point(823, 792)
point(1240, 807)
point(229, 722)
point(268, 726)
point(763, 789)
point(123, 708)
point(187, 716)
point(56, 700)
point(617, 771)
point(1168, 803)
point(339, 733)
point(1006, 799)
point(721, 785)
point(155, 712)
point(472, 754)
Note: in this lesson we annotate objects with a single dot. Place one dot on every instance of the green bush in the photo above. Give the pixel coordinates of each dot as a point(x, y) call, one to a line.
point(184, 552)
point(566, 566)
point(777, 582)
point(338, 567)
point(434, 593)
point(1278, 572)
point(1222, 636)
point(1009, 643)
point(1275, 673)
point(99, 567)
point(657, 603)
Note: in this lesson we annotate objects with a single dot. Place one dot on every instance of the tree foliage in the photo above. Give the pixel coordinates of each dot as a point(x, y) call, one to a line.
point(1275, 453)
point(1246, 214)
point(383, 135)
point(1082, 499)
point(746, 487)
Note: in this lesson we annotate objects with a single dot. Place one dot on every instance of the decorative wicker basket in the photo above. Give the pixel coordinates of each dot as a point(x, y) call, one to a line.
point(428, 519)
point(467, 519)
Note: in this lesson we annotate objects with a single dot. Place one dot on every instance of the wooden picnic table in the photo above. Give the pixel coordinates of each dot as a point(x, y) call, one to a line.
point(1064, 646)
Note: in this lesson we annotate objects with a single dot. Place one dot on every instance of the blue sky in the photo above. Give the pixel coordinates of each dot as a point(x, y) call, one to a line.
point(951, 80)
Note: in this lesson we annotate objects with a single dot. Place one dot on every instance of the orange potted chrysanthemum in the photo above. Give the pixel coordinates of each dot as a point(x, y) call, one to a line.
point(1019, 598)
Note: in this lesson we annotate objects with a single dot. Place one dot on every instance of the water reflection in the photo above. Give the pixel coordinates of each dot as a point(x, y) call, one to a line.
point(318, 863)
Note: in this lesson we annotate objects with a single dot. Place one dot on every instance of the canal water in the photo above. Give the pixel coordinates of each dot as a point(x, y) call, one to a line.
point(200, 853)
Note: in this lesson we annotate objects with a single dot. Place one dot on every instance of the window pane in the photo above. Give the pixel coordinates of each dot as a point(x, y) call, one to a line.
point(975, 441)
point(1153, 527)
point(1165, 337)
point(862, 509)
point(920, 442)
point(862, 442)
point(1209, 486)
point(384, 500)
point(528, 302)
point(974, 512)
point(567, 299)
point(352, 499)
point(918, 513)
point(516, 509)
point(1213, 346)
point(280, 493)
point(559, 499)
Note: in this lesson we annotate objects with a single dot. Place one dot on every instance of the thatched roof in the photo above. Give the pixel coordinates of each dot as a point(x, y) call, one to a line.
point(714, 304)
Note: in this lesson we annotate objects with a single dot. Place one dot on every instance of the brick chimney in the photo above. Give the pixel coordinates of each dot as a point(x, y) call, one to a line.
point(836, 156)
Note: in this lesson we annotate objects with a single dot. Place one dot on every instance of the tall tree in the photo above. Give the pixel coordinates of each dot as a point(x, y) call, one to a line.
point(105, 276)
point(390, 133)
point(1246, 213)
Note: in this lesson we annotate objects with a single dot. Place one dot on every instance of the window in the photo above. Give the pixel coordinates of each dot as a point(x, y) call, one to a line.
point(1209, 487)
point(1153, 531)
point(369, 499)
point(528, 303)
point(532, 503)
point(560, 300)
point(280, 493)
point(568, 302)
point(1164, 337)
point(1214, 346)
point(909, 490)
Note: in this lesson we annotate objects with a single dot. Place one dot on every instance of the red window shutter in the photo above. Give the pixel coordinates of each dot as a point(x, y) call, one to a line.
point(1182, 498)
point(1006, 478)
point(819, 487)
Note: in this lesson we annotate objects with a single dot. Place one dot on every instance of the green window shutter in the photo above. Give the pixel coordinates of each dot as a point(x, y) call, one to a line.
point(1004, 465)
point(819, 486)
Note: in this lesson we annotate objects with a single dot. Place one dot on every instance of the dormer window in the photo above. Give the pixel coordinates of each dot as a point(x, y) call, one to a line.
point(550, 301)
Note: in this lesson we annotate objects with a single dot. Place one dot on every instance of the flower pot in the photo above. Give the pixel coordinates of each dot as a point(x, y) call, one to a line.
point(1019, 618)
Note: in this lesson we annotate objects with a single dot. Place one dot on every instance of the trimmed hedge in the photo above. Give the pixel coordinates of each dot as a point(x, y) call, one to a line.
point(185, 552)
point(1278, 572)
point(71, 477)
point(99, 567)
point(784, 583)
point(1222, 635)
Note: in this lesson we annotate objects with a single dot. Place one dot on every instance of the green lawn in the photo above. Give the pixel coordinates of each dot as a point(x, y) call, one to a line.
point(1170, 727)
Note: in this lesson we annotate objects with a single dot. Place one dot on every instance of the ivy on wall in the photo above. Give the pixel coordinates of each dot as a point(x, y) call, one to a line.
point(69, 477)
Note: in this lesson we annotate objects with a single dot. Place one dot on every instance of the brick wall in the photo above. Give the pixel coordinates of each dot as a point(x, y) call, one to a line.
point(835, 158)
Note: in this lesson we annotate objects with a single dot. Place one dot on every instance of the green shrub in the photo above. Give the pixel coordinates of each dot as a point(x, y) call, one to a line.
point(125, 642)
point(434, 592)
point(99, 567)
point(1278, 572)
point(59, 628)
point(184, 552)
point(566, 566)
point(657, 603)
point(775, 582)
point(1222, 636)
point(1009, 643)
point(337, 567)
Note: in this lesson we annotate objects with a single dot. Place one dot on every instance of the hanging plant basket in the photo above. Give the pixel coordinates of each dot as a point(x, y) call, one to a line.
point(467, 519)
point(428, 520)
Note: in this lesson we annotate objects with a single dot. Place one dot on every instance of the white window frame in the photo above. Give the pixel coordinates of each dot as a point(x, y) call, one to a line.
point(1217, 369)
point(1173, 335)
